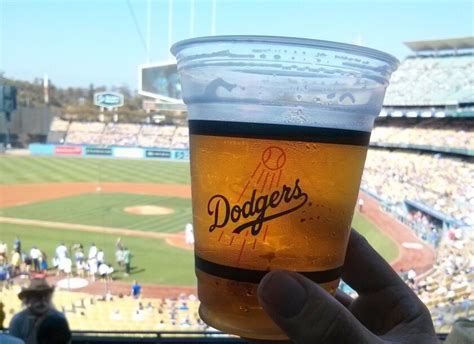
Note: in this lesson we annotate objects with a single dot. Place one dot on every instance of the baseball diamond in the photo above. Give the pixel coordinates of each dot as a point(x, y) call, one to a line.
point(46, 200)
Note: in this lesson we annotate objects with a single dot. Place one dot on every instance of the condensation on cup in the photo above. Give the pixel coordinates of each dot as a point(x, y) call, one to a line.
point(279, 130)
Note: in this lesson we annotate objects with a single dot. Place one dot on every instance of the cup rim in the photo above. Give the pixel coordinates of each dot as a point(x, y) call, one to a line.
point(301, 42)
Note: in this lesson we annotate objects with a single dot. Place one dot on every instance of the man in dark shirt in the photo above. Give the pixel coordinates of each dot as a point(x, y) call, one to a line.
point(37, 299)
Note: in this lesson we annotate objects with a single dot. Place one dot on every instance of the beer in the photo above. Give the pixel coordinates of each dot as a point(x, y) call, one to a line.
point(268, 197)
point(279, 129)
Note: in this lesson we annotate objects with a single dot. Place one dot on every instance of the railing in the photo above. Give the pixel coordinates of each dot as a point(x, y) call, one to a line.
point(162, 337)
point(106, 337)
point(425, 148)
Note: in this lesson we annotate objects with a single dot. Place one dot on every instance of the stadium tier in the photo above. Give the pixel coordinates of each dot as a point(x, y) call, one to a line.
point(432, 81)
point(119, 134)
point(435, 133)
point(403, 176)
point(86, 312)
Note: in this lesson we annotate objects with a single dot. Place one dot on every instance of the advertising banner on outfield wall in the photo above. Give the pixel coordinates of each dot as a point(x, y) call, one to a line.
point(158, 153)
point(67, 150)
point(41, 149)
point(126, 152)
point(102, 151)
point(180, 154)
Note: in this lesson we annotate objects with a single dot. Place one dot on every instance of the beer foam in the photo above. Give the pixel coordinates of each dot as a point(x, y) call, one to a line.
point(323, 117)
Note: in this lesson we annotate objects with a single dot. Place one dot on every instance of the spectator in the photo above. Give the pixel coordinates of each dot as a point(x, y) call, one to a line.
point(136, 290)
point(3, 250)
point(44, 262)
point(16, 263)
point(61, 251)
point(80, 267)
point(35, 255)
point(4, 276)
point(67, 266)
point(119, 257)
point(189, 234)
point(92, 268)
point(17, 245)
point(28, 261)
point(92, 252)
point(37, 299)
point(54, 329)
point(79, 260)
point(79, 254)
point(105, 272)
point(55, 264)
point(127, 257)
point(118, 244)
point(100, 256)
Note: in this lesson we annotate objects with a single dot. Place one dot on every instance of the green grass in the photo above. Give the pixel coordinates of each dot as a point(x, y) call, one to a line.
point(106, 209)
point(378, 239)
point(153, 260)
point(27, 170)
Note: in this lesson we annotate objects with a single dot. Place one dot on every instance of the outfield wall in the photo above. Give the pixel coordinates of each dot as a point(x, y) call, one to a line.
point(112, 152)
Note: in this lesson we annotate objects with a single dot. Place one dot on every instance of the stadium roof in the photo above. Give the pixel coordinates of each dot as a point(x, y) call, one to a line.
point(442, 44)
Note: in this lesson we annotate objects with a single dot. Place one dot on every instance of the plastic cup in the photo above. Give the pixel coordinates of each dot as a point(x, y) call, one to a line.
point(279, 130)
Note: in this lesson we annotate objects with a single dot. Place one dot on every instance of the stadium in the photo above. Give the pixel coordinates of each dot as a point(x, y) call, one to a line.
point(114, 183)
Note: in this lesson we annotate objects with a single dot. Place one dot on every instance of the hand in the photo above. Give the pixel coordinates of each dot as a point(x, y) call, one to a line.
point(386, 311)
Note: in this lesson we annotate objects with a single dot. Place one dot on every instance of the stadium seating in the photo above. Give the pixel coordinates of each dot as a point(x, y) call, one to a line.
point(447, 288)
point(86, 312)
point(431, 132)
point(400, 176)
point(119, 134)
point(181, 138)
point(59, 125)
point(58, 131)
point(84, 133)
point(433, 80)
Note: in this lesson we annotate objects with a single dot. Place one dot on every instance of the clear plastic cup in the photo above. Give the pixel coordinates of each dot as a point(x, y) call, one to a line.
point(279, 130)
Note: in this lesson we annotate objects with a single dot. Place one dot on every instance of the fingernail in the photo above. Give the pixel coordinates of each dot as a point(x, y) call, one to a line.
point(283, 293)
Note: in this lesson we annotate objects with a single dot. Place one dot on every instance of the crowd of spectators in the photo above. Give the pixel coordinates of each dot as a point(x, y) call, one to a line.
point(119, 134)
point(85, 132)
point(447, 288)
point(59, 124)
point(157, 136)
point(424, 226)
point(399, 176)
point(435, 133)
point(64, 261)
point(433, 80)
point(109, 312)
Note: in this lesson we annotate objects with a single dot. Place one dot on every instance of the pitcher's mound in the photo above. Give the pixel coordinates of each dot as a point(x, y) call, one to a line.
point(148, 210)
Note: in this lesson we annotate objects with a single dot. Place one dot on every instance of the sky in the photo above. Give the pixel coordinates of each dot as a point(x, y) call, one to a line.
point(77, 43)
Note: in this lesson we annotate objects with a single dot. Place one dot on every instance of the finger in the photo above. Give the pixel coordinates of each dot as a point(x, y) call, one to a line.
point(307, 313)
point(343, 298)
point(364, 269)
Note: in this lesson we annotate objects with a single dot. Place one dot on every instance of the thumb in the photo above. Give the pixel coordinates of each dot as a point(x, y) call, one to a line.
point(307, 313)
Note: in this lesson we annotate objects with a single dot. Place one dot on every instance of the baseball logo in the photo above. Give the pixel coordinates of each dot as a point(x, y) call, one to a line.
point(273, 158)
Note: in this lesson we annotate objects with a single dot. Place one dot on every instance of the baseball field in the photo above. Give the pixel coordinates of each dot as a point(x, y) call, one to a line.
point(46, 201)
